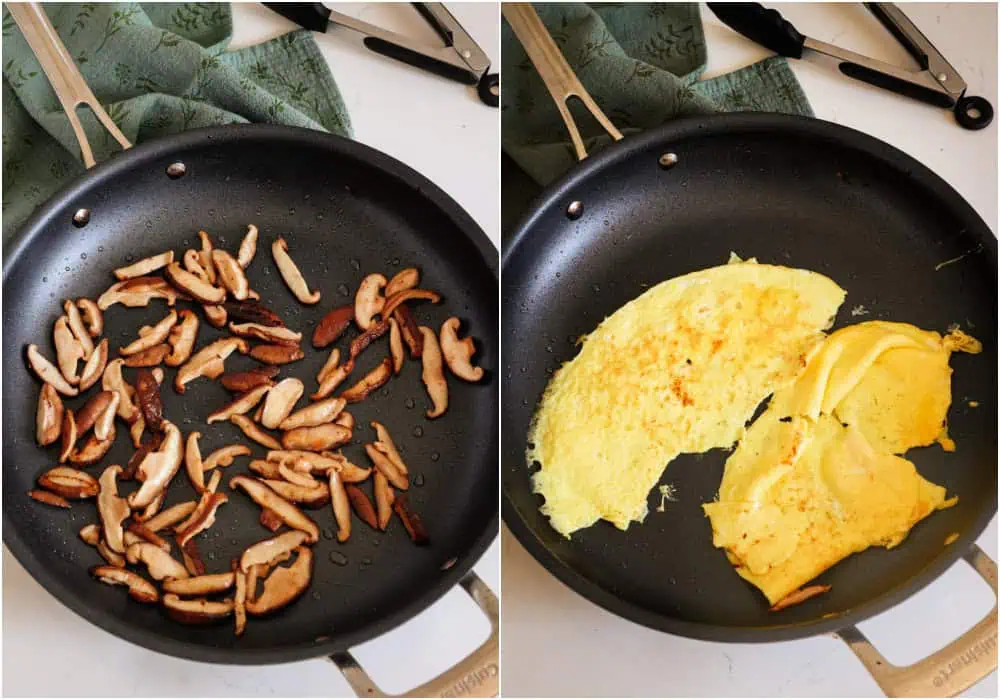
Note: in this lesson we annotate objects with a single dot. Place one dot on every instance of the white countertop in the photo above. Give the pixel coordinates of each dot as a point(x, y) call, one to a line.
point(557, 643)
point(442, 130)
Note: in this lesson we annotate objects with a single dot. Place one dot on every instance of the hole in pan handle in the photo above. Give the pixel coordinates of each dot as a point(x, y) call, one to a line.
point(475, 676)
point(948, 671)
point(63, 75)
point(973, 112)
point(489, 89)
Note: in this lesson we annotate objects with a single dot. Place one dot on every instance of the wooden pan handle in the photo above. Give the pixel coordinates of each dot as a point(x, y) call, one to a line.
point(948, 671)
point(63, 75)
point(475, 676)
point(555, 72)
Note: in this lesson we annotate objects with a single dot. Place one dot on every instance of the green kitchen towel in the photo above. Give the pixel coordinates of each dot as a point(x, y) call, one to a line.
point(158, 68)
point(641, 63)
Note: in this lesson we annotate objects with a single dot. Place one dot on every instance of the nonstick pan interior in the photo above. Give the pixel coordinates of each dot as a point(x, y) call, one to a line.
point(345, 211)
point(789, 191)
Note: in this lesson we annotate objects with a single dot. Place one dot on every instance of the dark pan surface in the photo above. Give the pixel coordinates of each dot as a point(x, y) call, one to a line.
point(345, 211)
point(789, 191)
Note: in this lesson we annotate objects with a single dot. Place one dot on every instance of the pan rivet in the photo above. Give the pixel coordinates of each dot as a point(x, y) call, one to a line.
point(668, 160)
point(81, 218)
point(575, 210)
point(176, 170)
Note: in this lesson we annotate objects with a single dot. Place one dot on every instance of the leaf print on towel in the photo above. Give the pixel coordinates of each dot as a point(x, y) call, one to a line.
point(118, 113)
point(83, 17)
point(16, 74)
point(673, 43)
point(118, 20)
point(192, 16)
point(593, 50)
point(640, 70)
point(168, 39)
point(8, 23)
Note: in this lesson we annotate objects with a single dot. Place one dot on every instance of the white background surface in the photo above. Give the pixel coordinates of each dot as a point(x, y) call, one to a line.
point(557, 643)
point(442, 130)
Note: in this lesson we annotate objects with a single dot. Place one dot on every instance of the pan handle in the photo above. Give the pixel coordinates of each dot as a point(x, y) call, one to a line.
point(948, 671)
point(475, 676)
point(65, 78)
point(555, 72)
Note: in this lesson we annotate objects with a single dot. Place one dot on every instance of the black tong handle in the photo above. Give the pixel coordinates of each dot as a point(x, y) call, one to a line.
point(765, 27)
point(314, 16)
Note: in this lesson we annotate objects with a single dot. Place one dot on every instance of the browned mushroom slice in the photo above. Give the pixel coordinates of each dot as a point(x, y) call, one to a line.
point(251, 379)
point(193, 562)
point(112, 509)
point(159, 563)
point(270, 551)
point(151, 335)
point(270, 520)
point(192, 461)
point(48, 415)
point(69, 351)
point(283, 585)
point(375, 330)
point(158, 467)
point(224, 456)
point(202, 518)
point(409, 330)
point(306, 496)
point(151, 510)
point(362, 505)
point(231, 273)
point(93, 369)
point(265, 468)
point(332, 380)
point(248, 247)
point(394, 302)
point(386, 466)
point(196, 611)
point(139, 589)
point(407, 278)
point(390, 451)
point(384, 498)
point(138, 291)
point(147, 392)
point(153, 443)
point(458, 353)
point(93, 450)
point(148, 535)
point(145, 266)
point(192, 263)
point(205, 256)
point(277, 354)
point(277, 335)
point(303, 460)
point(396, 345)
point(255, 432)
point(93, 319)
point(88, 414)
point(150, 357)
point(104, 426)
point(111, 556)
point(78, 328)
point(172, 515)
point(252, 312)
point(370, 382)
point(332, 362)
point(267, 498)
point(215, 314)
point(281, 399)
point(314, 414)
point(48, 498)
point(291, 274)
point(182, 337)
point(411, 521)
point(136, 431)
point(91, 534)
point(369, 300)
point(71, 484)
point(350, 472)
point(320, 437)
point(240, 599)
point(192, 285)
point(67, 435)
point(433, 373)
point(332, 326)
point(209, 361)
point(113, 381)
point(345, 419)
point(241, 405)
point(294, 476)
point(200, 585)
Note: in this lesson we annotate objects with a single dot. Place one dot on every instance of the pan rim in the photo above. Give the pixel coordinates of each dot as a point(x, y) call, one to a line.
point(558, 194)
point(156, 150)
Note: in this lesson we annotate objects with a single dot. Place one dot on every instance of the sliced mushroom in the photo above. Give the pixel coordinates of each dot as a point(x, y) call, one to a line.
point(265, 468)
point(307, 496)
point(433, 373)
point(409, 330)
point(362, 505)
point(67, 435)
point(200, 585)
point(277, 354)
point(145, 266)
point(91, 534)
point(208, 362)
point(215, 314)
point(139, 589)
point(104, 426)
point(198, 289)
point(88, 414)
point(393, 302)
point(270, 551)
point(158, 467)
point(147, 393)
point(303, 460)
point(267, 498)
point(407, 278)
point(411, 521)
point(231, 273)
point(254, 432)
point(138, 291)
point(159, 563)
point(341, 505)
point(148, 535)
point(192, 461)
point(332, 380)
point(332, 326)
point(258, 413)
point(396, 345)
point(390, 451)
point(69, 483)
point(93, 319)
point(369, 300)
point(153, 443)
point(252, 312)
point(93, 369)
point(345, 419)
point(48, 415)
point(384, 498)
point(293, 476)
point(202, 518)
point(192, 263)
point(48, 498)
point(458, 353)
point(240, 579)
point(78, 328)
point(281, 399)
point(158, 375)
point(93, 450)
point(375, 330)
point(224, 456)
point(248, 247)
point(350, 472)
point(241, 405)
point(149, 511)
point(370, 382)
point(136, 430)
point(319, 437)
point(171, 516)
point(111, 556)
point(332, 362)
point(251, 379)
point(283, 585)
point(278, 335)
point(291, 274)
point(182, 337)
point(193, 562)
point(386, 466)
point(205, 257)
point(112, 509)
point(150, 357)
point(196, 611)
point(314, 414)
point(69, 351)
point(113, 381)
point(269, 520)
point(151, 335)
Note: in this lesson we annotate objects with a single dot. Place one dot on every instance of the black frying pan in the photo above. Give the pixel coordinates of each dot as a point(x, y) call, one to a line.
point(791, 191)
point(345, 210)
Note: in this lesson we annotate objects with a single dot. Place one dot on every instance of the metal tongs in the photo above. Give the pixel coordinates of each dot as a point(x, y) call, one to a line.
point(937, 82)
point(460, 59)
